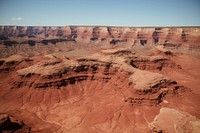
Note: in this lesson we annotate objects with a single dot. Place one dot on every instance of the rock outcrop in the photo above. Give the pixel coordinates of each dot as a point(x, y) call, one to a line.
point(153, 63)
point(176, 122)
point(10, 124)
point(58, 72)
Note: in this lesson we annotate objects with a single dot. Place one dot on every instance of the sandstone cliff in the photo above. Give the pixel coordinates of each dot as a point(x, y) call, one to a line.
point(175, 37)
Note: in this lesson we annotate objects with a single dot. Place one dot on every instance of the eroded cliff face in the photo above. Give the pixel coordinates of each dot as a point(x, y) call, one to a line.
point(186, 37)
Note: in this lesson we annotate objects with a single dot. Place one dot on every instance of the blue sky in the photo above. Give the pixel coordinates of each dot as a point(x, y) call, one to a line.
point(100, 12)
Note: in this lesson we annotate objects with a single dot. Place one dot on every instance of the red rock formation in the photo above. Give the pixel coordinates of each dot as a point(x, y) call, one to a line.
point(10, 124)
point(183, 37)
point(100, 79)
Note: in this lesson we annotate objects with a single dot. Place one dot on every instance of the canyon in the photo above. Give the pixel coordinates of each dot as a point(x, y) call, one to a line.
point(99, 79)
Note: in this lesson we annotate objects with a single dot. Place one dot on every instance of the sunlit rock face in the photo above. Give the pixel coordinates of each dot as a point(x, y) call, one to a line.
point(99, 33)
point(187, 38)
point(100, 79)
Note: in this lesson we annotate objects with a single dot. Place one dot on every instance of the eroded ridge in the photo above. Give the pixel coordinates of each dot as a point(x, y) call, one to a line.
point(144, 87)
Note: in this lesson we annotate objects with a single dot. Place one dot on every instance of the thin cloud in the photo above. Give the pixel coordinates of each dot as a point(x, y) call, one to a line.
point(17, 19)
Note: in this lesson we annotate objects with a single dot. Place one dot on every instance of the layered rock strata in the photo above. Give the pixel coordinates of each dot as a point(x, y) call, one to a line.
point(19, 36)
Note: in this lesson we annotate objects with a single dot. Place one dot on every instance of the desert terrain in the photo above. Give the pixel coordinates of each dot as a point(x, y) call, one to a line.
point(98, 79)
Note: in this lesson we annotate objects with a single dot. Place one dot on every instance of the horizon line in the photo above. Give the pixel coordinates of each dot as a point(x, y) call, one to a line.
point(102, 26)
